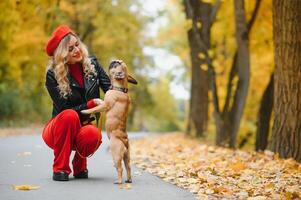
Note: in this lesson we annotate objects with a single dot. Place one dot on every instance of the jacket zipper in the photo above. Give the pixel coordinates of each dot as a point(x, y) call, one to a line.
point(92, 86)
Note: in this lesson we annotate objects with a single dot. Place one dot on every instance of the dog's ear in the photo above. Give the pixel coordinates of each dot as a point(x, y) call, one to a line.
point(132, 80)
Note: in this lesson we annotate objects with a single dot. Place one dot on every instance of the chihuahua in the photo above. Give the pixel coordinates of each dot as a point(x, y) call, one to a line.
point(116, 105)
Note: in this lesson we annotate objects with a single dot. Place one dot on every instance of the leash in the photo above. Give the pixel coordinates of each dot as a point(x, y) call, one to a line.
point(98, 140)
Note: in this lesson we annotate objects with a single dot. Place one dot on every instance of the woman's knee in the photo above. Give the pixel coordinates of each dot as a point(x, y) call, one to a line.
point(88, 140)
point(66, 123)
point(70, 116)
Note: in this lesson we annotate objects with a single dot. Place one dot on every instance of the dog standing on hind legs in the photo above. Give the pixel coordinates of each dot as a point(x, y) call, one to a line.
point(116, 105)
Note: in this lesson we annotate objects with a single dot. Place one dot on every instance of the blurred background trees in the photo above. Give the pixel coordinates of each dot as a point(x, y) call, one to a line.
point(110, 29)
point(236, 92)
point(225, 61)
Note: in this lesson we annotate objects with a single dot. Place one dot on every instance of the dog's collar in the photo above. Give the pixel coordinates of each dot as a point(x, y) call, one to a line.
point(121, 89)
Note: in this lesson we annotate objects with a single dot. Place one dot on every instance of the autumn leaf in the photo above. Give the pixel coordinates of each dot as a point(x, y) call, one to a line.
point(204, 67)
point(201, 56)
point(25, 153)
point(207, 1)
point(238, 166)
point(126, 186)
point(25, 187)
point(188, 24)
point(210, 53)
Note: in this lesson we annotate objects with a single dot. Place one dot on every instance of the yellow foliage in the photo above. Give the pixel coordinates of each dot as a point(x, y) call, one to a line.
point(202, 56)
point(110, 32)
point(188, 24)
point(223, 45)
point(207, 1)
point(204, 67)
point(199, 25)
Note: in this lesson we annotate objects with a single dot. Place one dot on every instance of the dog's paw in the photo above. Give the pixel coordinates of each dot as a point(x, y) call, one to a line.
point(86, 112)
point(129, 181)
point(117, 182)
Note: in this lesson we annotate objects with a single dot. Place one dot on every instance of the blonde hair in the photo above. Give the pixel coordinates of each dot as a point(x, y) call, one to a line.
point(58, 62)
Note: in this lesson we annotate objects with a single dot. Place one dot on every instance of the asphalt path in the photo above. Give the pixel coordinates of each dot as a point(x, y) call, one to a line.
point(27, 160)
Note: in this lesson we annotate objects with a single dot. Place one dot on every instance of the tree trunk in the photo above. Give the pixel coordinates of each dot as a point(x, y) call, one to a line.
point(198, 116)
point(243, 70)
point(286, 138)
point(264, 116)
point(228, 120)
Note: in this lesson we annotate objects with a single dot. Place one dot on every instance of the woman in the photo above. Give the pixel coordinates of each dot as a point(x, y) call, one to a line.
point(72, 80)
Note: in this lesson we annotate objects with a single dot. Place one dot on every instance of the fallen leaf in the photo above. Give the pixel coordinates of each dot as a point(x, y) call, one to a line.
point(25, 153)
point(257, 198)
point(26, 187)
point(238, 166)
point(126, 186)
point(209, 191)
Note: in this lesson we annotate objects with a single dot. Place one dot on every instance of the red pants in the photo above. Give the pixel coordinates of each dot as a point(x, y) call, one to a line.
point(64, 133)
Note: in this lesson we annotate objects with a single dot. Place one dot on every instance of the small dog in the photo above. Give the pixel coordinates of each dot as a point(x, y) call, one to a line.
point(116, 105)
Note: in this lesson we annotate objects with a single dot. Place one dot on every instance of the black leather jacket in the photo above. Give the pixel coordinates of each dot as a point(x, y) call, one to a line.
point(79, 96)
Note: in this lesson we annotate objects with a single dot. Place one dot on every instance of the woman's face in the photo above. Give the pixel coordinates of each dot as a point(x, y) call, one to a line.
point(74, 51)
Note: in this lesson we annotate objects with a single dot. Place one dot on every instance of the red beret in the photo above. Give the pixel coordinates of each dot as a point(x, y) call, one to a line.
point(56, 37)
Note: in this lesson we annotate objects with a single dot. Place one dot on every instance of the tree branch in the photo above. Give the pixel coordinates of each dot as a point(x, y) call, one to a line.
point(254, 15)
point(214, 12)
point(233, 71)
point(204, 49)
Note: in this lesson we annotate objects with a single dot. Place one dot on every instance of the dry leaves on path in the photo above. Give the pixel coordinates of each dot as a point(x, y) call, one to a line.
point(213, 173)
point(4, 132)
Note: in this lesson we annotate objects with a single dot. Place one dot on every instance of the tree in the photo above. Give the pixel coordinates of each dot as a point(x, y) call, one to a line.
point(109, 29)
point(201, 15)
point(286, 139)
point(228, 120)
point(264, 116)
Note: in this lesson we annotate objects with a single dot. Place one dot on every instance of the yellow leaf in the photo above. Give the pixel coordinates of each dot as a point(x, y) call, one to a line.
point(199, 25)
point(204, 67)
point(127, 186)
point(220, 189)
point(25, 153)
point(201, 55)
point(238, 166)
point(215, 63)
point(210, 53)
point(209, 191)
point(207, 1)
point(26, 187)
point(188, 24)
point(269, 185)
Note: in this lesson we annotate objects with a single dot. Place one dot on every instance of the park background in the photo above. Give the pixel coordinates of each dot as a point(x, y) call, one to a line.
point(218, 79)
point(205, 68)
